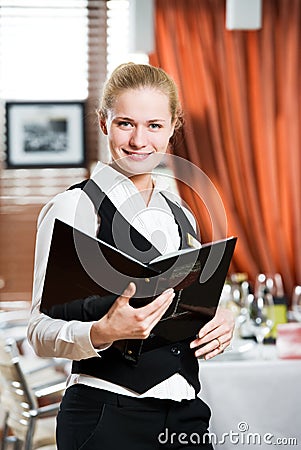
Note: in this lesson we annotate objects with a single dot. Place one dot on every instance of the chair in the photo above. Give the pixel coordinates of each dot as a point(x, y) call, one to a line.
point(32, 426)
point(14, 319)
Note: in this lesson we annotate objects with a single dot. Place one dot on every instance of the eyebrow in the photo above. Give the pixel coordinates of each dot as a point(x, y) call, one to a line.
point(156, 120)
point(129, 119)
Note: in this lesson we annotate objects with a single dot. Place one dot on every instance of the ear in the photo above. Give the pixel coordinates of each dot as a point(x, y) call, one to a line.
point(103, 126)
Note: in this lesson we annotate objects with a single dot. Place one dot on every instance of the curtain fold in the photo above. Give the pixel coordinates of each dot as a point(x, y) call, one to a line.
point(240, 91)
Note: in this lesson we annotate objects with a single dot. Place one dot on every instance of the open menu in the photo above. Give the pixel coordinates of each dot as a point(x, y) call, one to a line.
point(85, 275)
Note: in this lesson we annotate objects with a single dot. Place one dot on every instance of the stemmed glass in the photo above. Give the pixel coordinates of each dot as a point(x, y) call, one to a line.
point(270, 282)
point(262, 317)
point(296, 303)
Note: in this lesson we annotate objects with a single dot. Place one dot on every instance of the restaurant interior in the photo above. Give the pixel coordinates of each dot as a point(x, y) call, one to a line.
point(237, 65)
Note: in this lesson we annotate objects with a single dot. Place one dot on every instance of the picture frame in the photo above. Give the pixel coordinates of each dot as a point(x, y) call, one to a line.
point(45, 134)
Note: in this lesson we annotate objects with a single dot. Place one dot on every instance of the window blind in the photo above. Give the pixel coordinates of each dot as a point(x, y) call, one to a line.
point(53, 50)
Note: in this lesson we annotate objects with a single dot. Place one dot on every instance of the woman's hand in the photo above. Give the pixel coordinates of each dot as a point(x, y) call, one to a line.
point(216, 335)
point(122, 321)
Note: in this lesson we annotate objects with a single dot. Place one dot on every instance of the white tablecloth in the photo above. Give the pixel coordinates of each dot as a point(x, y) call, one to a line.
point(255, 401)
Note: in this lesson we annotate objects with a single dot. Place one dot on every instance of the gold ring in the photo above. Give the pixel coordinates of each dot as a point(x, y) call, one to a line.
point(220, 344)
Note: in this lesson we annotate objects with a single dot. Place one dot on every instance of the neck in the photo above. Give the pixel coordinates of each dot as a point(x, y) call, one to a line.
point(142, 182)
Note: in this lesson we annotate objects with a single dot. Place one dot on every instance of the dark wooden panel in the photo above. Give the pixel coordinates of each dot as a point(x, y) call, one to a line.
point(17, 241)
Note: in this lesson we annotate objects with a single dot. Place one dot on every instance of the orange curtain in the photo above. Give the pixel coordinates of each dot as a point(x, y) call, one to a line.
point(240, 91)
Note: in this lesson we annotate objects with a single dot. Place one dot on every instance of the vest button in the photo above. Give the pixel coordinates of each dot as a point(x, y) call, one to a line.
point(175, 350)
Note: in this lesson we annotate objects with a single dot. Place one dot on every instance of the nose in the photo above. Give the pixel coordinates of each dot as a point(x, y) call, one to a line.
point(138, 137)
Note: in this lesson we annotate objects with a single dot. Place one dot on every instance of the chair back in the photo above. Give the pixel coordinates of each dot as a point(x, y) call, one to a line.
point(16, 396)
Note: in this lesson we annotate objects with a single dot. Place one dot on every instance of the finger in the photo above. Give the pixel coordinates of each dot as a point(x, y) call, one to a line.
point(220, 333)
point(208, 327)
point(161, 301)
point(213, 329)
point(127, 294)
point(207, 348)
point(154, 317)
point(213, 347)
point(209, 337)
point(210, 354)
point(222, 317)
point(149, 321)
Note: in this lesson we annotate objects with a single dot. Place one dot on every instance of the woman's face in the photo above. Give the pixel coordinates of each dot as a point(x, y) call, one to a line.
point(139, 128)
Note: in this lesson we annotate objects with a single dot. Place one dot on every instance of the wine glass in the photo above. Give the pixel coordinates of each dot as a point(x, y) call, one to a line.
point(262, 317)
point(233, 297)
point(269, 282)
point(296, 303)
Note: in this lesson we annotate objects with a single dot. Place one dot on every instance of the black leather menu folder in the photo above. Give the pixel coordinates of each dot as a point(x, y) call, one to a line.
point(84, 276)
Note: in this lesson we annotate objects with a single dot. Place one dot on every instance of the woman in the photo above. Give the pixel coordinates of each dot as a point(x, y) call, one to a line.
point(110, 404)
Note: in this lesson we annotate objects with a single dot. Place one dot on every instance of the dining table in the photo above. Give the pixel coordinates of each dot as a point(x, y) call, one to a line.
point(255, 398)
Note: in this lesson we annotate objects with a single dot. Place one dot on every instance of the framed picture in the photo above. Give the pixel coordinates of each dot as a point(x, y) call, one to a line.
point(45, 134)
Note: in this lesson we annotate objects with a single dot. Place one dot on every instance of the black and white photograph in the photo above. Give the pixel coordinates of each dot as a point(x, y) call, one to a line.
point(45, 134)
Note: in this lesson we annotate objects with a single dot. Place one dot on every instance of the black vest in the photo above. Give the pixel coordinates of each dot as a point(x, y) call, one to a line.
point(154, 365)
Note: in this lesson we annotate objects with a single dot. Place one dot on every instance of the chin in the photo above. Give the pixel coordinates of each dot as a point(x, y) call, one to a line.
point(131, 167)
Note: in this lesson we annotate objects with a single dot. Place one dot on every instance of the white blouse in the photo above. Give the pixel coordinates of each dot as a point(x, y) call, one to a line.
point(58, 338)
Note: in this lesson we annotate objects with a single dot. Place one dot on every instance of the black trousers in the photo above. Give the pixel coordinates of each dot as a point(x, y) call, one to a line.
point(94, 419)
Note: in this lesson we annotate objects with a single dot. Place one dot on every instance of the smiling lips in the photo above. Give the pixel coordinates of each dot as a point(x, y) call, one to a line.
point(137, 156)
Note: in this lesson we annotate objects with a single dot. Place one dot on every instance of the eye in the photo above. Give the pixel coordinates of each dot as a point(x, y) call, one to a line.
point(124, 124)
point(155, 126)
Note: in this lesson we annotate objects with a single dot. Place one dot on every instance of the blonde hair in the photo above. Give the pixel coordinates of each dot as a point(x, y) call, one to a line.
point(136, 76)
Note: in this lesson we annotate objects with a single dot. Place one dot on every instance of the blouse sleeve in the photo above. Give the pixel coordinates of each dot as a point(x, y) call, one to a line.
point(55, 337)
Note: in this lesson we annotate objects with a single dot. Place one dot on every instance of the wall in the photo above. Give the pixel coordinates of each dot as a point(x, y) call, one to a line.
point(23, 193)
